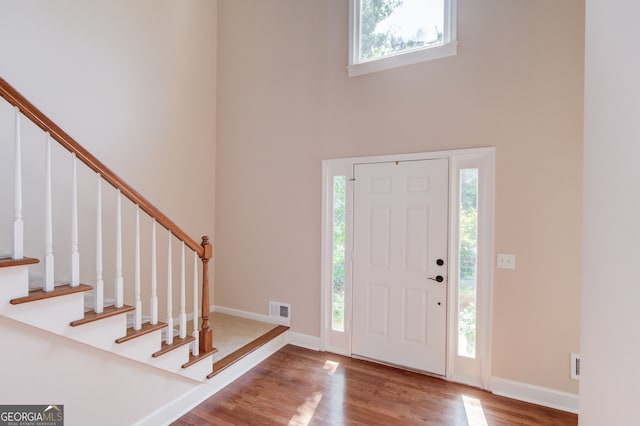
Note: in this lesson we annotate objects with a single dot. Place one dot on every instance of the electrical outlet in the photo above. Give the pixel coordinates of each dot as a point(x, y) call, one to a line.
point(575, 366)
point(507, 261)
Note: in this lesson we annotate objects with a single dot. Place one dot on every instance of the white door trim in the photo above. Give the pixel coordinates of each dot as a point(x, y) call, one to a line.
point(483, 159)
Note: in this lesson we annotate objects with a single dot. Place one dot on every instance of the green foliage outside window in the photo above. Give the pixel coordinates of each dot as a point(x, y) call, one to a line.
point(468, 224)
point(468, 234)
point(375, 43)
point(339, 208)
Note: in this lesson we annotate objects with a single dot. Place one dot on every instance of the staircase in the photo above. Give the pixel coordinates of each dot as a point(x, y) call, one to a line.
point(123, 318)
point(61, 311)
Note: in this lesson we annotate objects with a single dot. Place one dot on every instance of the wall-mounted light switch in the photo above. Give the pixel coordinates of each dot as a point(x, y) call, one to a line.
point(507, 261)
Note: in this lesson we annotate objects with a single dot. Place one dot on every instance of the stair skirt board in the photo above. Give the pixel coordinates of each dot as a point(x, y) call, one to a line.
point(63, 312)
point(57, 314)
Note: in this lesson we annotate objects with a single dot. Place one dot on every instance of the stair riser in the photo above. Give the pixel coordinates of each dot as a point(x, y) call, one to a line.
point(53, 314)
point(198, 370)
point(171, 360)
point(101, 334)
point(14, 283)
point(140, 348)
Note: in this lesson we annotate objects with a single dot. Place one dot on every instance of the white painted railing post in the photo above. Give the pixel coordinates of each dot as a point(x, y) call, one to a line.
point(119, 284)
point(75, 255)
point(99, 290)
point(183, 296)
point(169, 335)
point(18, 225)
point(48, 222)
point(154, 276)
point(195, 349)
point(137, 323)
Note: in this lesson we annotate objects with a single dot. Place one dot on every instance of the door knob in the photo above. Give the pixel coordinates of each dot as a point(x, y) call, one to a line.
point(438, 278)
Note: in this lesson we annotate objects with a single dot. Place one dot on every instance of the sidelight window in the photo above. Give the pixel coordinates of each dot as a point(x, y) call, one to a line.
point(468, 260)
point(339, 209)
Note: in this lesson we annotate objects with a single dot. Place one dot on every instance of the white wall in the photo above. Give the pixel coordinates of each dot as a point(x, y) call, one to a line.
point(95, 386)
point(610, 342)
point(134, 83)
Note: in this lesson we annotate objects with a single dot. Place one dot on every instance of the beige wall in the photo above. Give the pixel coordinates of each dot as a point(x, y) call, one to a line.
point(285, 103)
point(134, 83)
point(609, 337)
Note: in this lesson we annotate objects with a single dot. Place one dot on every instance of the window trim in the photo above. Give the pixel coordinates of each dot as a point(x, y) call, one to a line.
point(448, 47)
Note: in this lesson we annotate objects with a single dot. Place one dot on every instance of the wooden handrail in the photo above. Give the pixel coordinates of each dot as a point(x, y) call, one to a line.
point(39, 119)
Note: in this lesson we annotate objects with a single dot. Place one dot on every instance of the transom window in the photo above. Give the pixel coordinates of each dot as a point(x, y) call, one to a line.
point(391, 33)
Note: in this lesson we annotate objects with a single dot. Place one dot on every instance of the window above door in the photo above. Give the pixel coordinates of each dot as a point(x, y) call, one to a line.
point(386, 34)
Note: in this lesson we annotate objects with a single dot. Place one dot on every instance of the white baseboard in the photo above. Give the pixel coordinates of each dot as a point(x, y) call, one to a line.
point(296, 339)
point(174, 410)
point(243, 314)
point(535, 394)
point(304, 341)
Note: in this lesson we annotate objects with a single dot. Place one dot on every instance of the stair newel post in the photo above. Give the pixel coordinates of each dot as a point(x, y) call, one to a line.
point(206, 335)
point(48, 221)
point(137, 322)
point(119, 284)
point(183, 295)
point(196, 346)
point(75, 255)
point(18, 225)
point(154, 276)
point(169, 336)
point(99, 290)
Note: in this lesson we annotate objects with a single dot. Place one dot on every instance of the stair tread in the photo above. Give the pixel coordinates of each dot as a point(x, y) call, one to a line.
point(108, 311)
point(40, 294)
point(8, 261)
point(146, 328)
point(198, 358)
point(177, 342)
point(246, 349)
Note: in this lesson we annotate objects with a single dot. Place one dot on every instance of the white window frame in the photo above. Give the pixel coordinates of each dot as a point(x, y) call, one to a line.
point(448, 47)
point(476, 372)
point(472, 371)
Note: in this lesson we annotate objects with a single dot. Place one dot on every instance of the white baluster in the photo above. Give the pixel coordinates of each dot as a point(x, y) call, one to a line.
point(154, 277)
point(195, 349)
point(137, 323)
point(169, 335)
point(48, 222)
point(18, 225)
point(119, 284)
point(99, 290)
point(75, 255)
point(183, 296)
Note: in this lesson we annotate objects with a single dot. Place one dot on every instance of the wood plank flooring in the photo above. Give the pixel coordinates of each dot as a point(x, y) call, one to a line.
point(297, 386)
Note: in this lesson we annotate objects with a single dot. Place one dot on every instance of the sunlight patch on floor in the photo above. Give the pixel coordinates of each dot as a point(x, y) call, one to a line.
point(474, 411)
point(306, 410)
point(330, 367)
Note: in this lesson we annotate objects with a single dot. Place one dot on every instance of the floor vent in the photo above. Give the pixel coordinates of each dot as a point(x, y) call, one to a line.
point(575, 366)
point(280, 312)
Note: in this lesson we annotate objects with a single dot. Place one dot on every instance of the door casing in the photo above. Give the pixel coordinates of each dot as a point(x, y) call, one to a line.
point(474, 372)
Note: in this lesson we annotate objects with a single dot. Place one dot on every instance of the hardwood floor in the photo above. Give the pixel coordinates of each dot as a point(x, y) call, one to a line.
point(297, 386)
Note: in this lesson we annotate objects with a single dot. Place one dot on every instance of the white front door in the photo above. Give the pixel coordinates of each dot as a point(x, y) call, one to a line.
point(400, 263)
